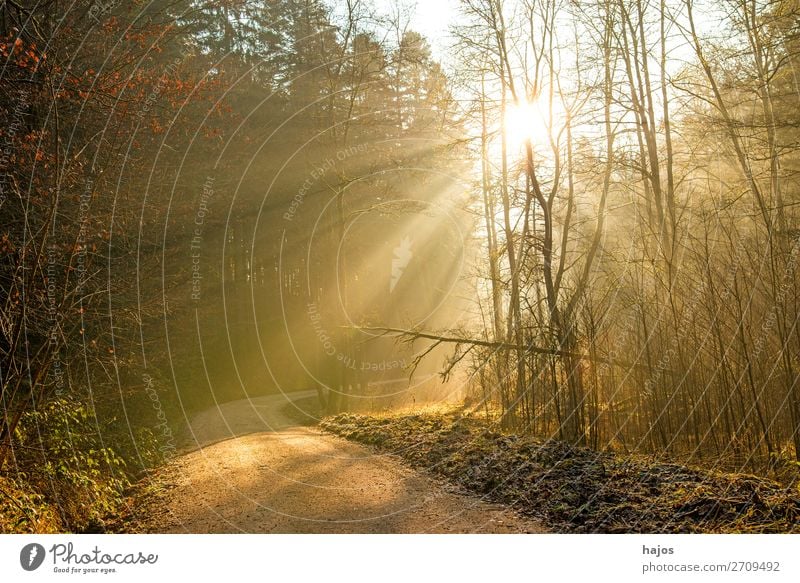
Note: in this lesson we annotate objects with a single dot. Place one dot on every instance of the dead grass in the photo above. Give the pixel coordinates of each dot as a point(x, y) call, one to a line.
point(576, 489)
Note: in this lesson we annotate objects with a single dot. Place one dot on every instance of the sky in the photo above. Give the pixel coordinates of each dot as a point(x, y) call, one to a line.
point(431, 18)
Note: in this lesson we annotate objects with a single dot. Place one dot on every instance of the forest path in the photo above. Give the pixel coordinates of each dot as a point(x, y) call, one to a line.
point(254, 469)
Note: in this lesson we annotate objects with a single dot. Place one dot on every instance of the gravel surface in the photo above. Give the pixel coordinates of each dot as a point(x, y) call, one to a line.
point(247, 467)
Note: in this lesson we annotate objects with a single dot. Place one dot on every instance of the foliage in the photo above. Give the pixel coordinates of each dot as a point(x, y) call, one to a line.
point(61, 451)
point(25, 511)
point(131, 131)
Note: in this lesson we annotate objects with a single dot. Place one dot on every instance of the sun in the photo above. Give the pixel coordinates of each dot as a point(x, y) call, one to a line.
point(529, 121)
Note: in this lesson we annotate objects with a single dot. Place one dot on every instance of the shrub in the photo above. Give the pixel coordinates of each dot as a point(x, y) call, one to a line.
point(60, 452)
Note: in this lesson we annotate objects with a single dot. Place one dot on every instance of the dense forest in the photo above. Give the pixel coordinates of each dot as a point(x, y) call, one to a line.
point(177, 179)
point(641, 239)
point(582, 217)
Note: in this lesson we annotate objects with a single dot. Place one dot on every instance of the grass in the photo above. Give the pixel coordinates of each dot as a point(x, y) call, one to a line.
point(573, 489)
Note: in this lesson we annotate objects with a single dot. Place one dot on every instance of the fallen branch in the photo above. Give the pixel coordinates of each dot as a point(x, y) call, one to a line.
point(438, 338)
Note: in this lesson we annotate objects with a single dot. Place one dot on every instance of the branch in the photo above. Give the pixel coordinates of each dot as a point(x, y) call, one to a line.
point(415, 334)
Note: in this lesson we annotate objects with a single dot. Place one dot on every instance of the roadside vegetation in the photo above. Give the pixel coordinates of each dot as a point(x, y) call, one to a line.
point(70, 469)
point(136, 142)
point(575, 489)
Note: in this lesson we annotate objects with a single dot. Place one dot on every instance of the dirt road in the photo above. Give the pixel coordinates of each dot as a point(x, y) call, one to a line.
point(252, 469)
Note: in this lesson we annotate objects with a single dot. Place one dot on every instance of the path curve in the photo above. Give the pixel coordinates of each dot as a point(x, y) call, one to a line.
point(248, 467)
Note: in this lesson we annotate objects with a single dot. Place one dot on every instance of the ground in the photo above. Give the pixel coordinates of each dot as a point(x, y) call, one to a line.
point(576, 489)
point(248, 466)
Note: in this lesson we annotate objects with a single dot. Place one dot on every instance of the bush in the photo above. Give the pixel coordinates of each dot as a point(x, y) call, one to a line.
point(25, 511)
point(60, 452)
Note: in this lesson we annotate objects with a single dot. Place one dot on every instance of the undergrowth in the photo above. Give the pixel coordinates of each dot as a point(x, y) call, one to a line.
point(573, 489)
point(67, 472)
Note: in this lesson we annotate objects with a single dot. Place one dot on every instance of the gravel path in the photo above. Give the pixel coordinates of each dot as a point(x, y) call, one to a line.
point(251, 469)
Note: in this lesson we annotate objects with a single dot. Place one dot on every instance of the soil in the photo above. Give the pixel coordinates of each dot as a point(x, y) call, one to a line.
point(252, 466)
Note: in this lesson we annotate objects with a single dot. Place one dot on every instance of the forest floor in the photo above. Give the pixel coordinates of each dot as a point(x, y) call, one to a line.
point(252, 466)
point(574, 489)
